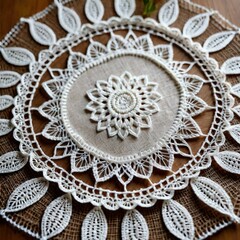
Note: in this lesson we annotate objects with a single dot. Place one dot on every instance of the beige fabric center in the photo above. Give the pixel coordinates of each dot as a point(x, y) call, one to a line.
point(162, 121)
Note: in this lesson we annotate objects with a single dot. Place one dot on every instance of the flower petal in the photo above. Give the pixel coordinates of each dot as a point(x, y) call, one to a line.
point(192, 83)
point(50, 110)
point(164, 52)
point(124, 174)
point(145, 121)
point(134, 128)
point(77, 61)
point(103, 170)
point(189, 129)
point(142, 168)
point(94, 94)
point(64, 148)
point(163, 159)
point(195, 105)
point(80, 161)
point(55, 131)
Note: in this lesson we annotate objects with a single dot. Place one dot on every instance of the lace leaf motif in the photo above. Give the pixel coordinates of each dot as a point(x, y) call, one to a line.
point(103, 170)
point(40, 32)
point(134, 226)
point(5, 102)
point(236, 110)
point(235, 90)
point(17, 56)
point(9, 79)
point(76, 61)
point(192, 83)
point(196, 25)
point(230, 161)
point(178, 220)
point(213, 195)
point(142, 168)
point(56, 216)
point(180, 146)
point(54, 87)
point(5, 127)
point(68, 18)
point(189, 128)
point(218, 41)
point(50, 110)
point(64, 148)
point(163, 159)
point(169, 13)
point(80, 161)
point(124, 174)
point(231, 66)
point(94, 10)
point(12, 162)
point(55, 131)
point(27, 194)
point(124, 8)
point(195, 105)
point(95, 225)
point(235, 132)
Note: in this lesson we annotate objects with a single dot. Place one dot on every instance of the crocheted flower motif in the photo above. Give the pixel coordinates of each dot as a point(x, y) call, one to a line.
point(123, 105)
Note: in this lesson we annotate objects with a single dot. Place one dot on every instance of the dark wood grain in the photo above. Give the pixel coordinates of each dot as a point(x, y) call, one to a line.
point(12, 10)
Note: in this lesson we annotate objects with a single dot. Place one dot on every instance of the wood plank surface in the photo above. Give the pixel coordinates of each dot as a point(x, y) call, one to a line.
point(12, 10)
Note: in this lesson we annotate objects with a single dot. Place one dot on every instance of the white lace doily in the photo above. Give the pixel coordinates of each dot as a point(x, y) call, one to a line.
point(120, 125)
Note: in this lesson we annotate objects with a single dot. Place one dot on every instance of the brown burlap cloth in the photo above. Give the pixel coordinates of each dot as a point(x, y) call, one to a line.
point(206, 220)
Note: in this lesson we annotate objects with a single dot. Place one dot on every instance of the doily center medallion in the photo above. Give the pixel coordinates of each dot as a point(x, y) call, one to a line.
point(123, 105)
point(124, 108)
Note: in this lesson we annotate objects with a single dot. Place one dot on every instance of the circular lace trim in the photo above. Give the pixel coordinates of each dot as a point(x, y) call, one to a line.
point(144, 197)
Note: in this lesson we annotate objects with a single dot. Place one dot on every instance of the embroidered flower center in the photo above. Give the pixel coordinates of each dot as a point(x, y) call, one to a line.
point(122, 102)
point(123, 105)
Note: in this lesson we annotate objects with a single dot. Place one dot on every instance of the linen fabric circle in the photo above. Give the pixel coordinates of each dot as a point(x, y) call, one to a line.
point(122, 112)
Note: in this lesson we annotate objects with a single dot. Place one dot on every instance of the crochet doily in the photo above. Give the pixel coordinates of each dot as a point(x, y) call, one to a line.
point(120, 127)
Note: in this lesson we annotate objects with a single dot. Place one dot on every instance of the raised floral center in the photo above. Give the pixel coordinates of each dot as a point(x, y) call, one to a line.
point(123, 105)
point(122, 102)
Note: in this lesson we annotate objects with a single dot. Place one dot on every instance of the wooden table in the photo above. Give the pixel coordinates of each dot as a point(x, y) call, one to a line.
point(12, 10)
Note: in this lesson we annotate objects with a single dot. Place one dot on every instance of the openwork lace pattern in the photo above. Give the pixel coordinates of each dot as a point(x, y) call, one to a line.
point(124, 105)
point(121, 107)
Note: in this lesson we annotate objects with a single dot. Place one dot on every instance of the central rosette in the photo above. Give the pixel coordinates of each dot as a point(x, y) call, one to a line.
point(123, 105)
point(123, 102)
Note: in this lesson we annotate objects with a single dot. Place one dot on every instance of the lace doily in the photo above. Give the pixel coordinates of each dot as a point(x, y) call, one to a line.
point(121, 113)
